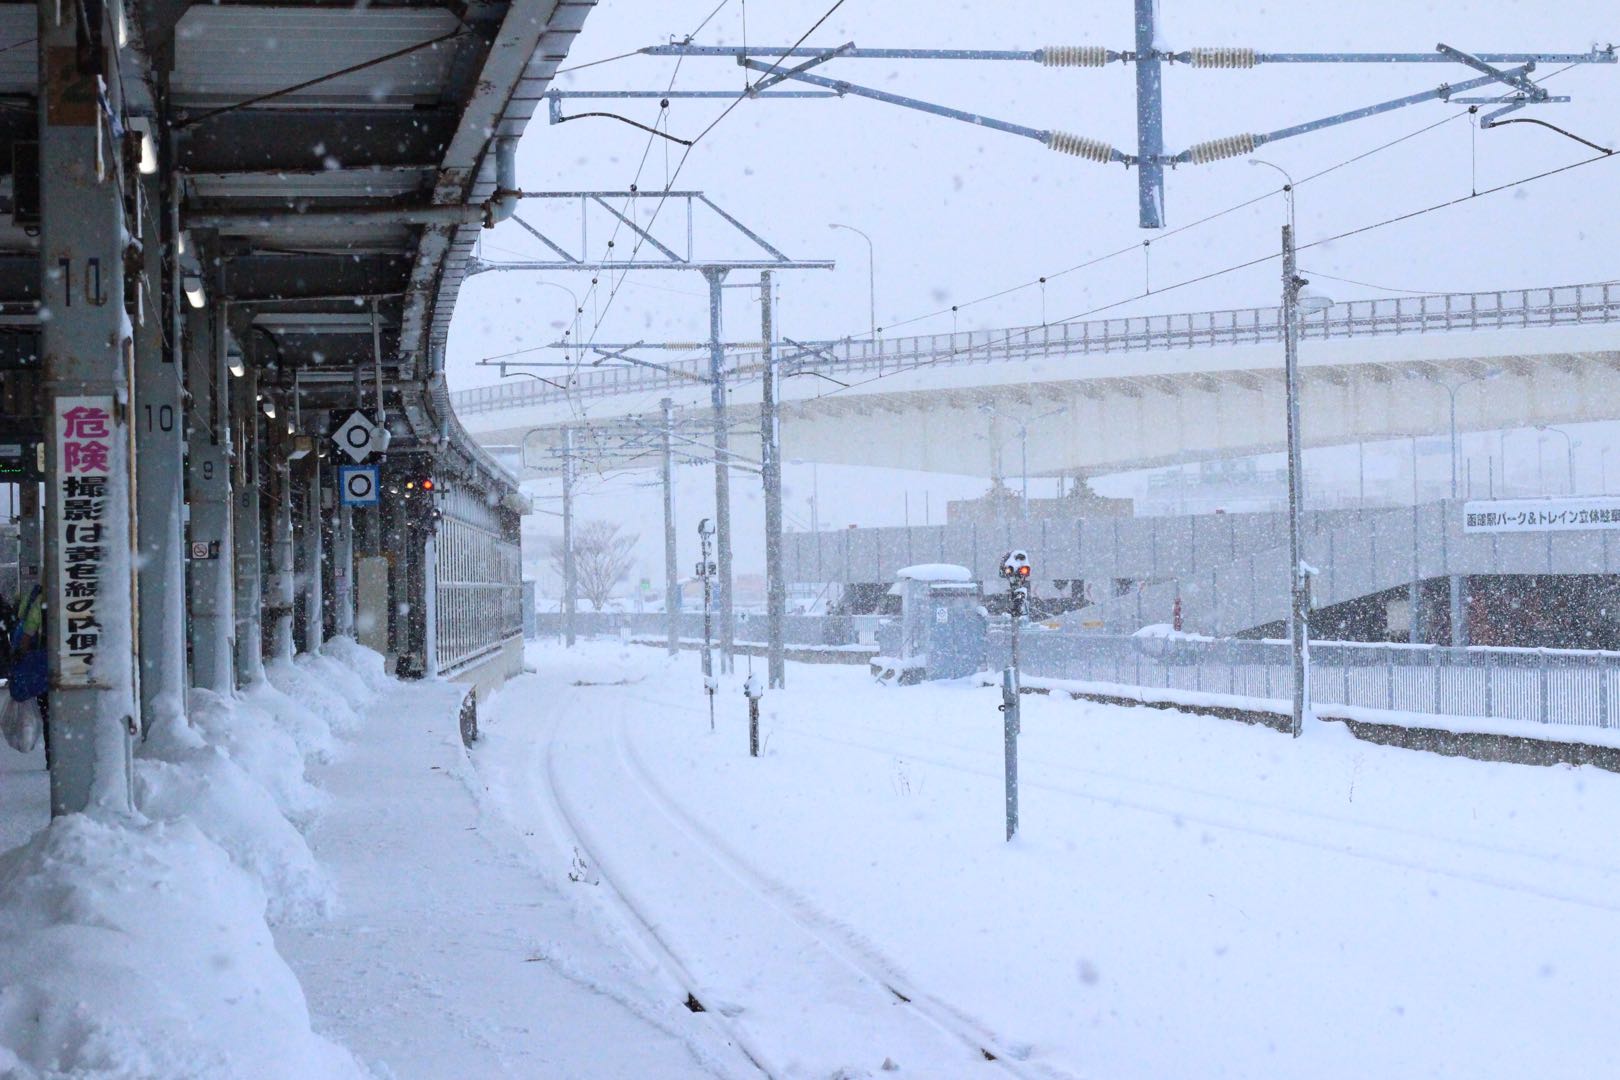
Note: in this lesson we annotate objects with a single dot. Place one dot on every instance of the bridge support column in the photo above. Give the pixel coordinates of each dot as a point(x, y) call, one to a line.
point(211, 622)
point(314, 523)
point(160, 479)
point(88, 575)
point(247, 530)
point(722, 469)
point(283, 591)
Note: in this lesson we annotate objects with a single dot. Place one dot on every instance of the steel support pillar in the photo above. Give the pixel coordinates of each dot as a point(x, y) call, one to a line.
point(570, 578)
point(722, 469)
point(89, 577)
point(392, 540)
point(1299, 609)
point(247, 535)
point(211, 613)
point(314, 557)
point(343, 572)
point(672, 584)
point(283, 590)
point(30, 542)
point(159, 480)
point(430, 601)
point(771, 474)
point(1149, 117)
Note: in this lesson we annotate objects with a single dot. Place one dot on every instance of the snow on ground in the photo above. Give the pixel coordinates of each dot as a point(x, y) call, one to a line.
point(457, 951)
point(1188, 897)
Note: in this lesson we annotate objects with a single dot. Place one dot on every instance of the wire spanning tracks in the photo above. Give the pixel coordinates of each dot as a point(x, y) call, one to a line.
point(796, 1000)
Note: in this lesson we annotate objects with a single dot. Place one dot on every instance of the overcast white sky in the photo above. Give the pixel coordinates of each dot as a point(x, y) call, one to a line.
point(957, 212)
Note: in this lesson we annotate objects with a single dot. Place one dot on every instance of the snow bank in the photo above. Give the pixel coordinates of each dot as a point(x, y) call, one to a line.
point(137, 949)
point(236, 812)
point(310, 730)
point(309, 690)
point(366, 663)
point(254, 739)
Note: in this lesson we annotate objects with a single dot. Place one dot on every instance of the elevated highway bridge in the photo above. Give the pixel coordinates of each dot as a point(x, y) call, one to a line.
point(1132, 392)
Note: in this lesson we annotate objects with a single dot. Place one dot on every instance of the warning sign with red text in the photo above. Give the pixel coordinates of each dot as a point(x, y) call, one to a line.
point(84, 447)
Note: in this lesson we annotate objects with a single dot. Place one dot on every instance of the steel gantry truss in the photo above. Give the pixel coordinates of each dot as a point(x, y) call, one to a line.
point(1511, 88)
point(714, 271)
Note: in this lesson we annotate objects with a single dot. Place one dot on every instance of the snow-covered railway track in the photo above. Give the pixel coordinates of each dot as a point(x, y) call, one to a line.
point(840, 941)
point(795, 1001)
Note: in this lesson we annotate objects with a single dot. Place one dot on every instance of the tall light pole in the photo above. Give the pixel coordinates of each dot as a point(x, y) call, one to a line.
point(871, 274)
point(1023, 443)
point(1293, 300)
point(1451, 389)
point(1569, 450)
point(815, 491)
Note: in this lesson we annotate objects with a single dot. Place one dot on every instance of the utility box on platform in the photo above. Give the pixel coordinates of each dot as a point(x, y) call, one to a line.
point(942, 629)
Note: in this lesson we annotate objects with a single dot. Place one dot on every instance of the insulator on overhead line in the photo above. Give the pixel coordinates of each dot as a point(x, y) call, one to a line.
point(1223, 56)
point(1074, 56)
point(1230, 146)
point(1080, 146)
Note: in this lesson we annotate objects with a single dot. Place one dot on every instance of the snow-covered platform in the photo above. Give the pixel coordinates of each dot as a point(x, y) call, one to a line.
point(454, 952)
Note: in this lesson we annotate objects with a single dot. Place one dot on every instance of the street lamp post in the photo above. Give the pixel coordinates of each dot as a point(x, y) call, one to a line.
point(1569, 450)
point(1451, 391)
point(871, 274)
point(1023, 445)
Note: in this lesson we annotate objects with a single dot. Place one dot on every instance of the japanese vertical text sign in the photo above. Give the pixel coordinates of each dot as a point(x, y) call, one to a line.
point(84, 445)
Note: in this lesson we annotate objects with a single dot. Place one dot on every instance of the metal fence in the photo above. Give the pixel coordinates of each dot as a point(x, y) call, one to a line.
point(796, 629)
point(1545, 686)
point(1519, 308)
point(477, 578)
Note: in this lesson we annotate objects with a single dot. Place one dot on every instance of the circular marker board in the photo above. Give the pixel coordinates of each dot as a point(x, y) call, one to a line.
point(359, 485)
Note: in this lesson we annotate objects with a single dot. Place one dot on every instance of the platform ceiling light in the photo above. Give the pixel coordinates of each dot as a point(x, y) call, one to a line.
point(233, 360)
point(142, 126)
point(269, 407)
point(193, 284)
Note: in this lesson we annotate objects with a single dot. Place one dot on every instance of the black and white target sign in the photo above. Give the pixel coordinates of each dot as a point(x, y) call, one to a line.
point(359, 438)
point(357, 484)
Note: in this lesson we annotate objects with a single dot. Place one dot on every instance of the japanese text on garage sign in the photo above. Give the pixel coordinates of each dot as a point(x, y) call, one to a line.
point(1541, 515)
point(84, 434)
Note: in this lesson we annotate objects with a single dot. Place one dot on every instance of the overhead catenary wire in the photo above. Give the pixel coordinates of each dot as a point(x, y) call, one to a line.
point(1357, 231)
point(1165, 235)
point(686, 155)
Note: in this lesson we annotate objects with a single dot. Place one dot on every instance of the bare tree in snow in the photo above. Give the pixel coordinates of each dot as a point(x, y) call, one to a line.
point(602, 559)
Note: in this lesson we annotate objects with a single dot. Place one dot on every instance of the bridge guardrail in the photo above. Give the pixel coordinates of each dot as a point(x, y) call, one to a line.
point(1442, 313)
